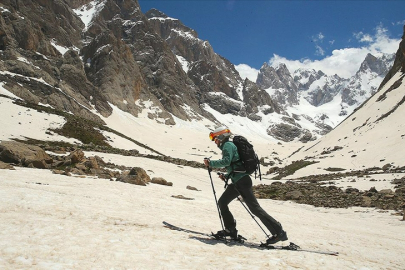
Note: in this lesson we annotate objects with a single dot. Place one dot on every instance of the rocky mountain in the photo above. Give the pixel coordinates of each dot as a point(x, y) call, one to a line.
point(278, 78)
point(317, 88)
point(220, 85)
point(87, 57)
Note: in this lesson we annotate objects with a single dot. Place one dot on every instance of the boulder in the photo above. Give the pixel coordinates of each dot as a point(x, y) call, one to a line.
point(161, 181)
point(77, 156)
point(136, 176)
point(24, 154)
point(92, 163)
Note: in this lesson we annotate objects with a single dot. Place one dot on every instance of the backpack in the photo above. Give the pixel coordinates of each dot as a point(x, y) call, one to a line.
point(247, 155)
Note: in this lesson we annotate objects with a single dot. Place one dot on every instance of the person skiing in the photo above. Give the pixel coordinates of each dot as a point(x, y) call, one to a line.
point(241, 184)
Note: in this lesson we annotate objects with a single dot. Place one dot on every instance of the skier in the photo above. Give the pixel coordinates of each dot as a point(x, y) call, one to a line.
point(241, 184)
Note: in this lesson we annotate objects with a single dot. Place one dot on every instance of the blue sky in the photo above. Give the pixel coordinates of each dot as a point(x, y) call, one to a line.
point(249, 33)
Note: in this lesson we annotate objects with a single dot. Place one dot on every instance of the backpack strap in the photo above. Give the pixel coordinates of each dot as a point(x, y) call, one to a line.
point(236, 161)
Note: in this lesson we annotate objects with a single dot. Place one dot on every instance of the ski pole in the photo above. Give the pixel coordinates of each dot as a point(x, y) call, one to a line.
point(250, 213)
point(216, 201)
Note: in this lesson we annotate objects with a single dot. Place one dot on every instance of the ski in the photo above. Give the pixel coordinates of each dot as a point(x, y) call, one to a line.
point(241, 241)
point(212, 236)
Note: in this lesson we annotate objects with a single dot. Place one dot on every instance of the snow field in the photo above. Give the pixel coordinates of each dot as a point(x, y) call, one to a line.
point(57, 222)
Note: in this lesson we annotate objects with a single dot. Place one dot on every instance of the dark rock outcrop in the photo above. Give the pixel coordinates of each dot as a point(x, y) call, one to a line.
point(399, 63)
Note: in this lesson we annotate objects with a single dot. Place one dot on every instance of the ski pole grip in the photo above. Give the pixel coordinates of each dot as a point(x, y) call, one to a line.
point(207, 161)
point(208, 167)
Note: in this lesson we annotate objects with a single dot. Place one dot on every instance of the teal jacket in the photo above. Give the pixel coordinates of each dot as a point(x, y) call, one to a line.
point(230, 160)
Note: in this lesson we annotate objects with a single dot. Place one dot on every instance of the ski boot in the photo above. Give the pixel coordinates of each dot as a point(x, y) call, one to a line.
point(282, 236)
point(232, 233)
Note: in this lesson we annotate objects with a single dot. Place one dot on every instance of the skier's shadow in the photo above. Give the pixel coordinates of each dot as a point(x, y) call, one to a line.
point(216, 242)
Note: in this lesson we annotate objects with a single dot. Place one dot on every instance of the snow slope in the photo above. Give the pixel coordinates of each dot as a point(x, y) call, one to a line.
point(57, 222)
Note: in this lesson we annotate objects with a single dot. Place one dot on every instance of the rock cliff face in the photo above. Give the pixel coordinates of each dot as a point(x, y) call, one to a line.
point(399, 63)
point(211, 74)
point(80, 55)
point(34, 69)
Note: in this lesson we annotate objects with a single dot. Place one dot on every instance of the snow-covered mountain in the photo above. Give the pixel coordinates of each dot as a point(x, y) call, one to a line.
point(370, 138)
point(325, 99)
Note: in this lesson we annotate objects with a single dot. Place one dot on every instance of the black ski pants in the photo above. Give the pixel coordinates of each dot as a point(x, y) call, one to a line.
point(244, 186)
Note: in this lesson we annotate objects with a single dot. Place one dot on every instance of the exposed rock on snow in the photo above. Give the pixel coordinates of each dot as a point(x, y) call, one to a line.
point(24, 154)
point(161, 181)
point(325, 194)
point(136, 176)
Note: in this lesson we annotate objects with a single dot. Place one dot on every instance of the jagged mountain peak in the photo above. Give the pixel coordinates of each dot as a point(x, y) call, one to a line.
point(265, 66)
point(282, 67)
point(154, 13)
point(166, 26)
point(379, 65)
point(307, 72)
